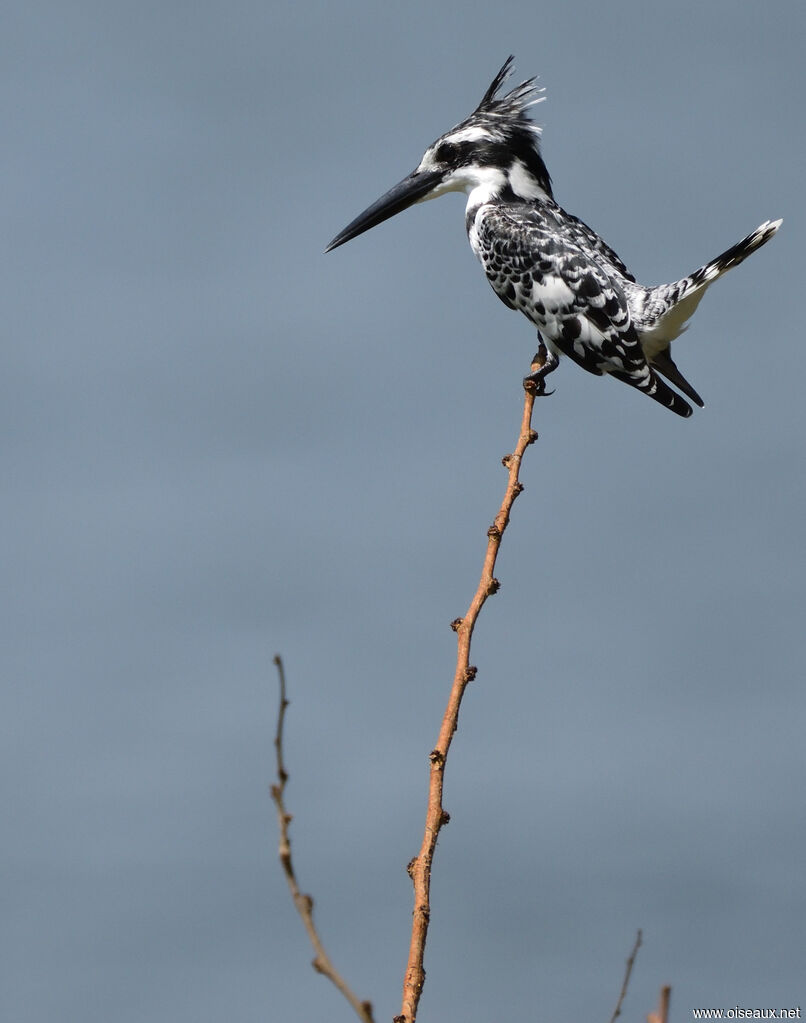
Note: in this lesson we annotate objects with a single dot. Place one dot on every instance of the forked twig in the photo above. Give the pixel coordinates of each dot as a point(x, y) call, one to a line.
point(420, 867)
point(626, 981)
point(304, 903)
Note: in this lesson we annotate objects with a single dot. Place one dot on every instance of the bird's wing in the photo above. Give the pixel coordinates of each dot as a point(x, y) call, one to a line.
point(590, 240)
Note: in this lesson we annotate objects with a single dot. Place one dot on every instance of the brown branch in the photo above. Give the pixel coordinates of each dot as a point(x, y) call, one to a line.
point(661, 1014)
point(626, 981)
point(420, 867)
point(304, 903)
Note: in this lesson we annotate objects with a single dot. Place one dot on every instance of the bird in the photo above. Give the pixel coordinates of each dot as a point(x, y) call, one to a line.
point(548, 264)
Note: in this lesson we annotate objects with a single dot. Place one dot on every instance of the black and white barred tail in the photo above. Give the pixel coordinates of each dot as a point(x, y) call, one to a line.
point(662, 313)
point(730, 257)
point(686, 288)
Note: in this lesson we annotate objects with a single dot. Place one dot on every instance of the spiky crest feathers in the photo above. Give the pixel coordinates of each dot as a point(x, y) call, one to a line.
point(515, 103)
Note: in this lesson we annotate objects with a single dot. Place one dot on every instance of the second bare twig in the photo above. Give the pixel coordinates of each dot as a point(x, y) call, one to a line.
point(626, 982)
point(304, 903)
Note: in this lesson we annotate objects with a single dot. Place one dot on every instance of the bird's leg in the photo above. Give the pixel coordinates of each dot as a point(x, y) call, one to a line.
point(546, 362)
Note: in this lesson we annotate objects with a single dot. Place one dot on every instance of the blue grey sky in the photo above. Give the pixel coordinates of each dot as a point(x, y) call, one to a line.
point(219, 443)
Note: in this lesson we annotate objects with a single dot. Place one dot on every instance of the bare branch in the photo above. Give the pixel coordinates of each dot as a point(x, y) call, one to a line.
point(626, 982)
point(420, 867)
point(304, 903)
point(661, 1015)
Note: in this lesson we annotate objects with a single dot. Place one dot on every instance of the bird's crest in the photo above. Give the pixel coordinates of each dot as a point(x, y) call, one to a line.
point(514, 105)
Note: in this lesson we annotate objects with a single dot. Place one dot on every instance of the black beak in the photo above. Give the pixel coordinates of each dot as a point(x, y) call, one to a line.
point(407, 192)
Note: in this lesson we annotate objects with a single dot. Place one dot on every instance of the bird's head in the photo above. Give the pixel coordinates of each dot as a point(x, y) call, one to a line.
point(493, 153)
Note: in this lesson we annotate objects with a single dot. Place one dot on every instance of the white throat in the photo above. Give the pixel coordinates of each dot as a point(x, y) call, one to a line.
point(483, 185)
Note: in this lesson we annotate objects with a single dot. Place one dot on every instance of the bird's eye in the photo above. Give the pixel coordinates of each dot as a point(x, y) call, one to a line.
point(446, 151)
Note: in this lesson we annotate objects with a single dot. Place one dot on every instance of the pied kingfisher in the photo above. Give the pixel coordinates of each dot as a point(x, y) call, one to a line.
point(547, 263)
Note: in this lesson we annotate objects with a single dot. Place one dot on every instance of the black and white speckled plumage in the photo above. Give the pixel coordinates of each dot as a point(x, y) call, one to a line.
point(545, 262)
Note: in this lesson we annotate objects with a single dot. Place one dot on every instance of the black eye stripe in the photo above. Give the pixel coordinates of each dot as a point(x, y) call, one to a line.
point(456, 152)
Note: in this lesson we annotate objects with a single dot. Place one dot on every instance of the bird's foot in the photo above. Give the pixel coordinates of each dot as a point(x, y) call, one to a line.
point(535, 384)
point(543, 363)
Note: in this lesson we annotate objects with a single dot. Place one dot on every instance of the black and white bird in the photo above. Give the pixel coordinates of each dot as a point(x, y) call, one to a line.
point(547, 263)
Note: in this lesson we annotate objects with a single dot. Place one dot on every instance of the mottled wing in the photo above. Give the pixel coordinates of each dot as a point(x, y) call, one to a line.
point(588, 239)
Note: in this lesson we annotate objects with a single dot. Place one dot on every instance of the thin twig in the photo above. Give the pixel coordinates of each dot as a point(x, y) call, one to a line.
point(626, 982)
point(420, 867)
point(304, 903)
point(661, 1014)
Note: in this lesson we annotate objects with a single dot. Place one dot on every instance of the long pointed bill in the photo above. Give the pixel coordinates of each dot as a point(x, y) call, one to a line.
point(407, 192)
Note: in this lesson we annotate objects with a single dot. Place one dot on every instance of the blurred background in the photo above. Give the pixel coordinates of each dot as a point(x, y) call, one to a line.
point(219, 444)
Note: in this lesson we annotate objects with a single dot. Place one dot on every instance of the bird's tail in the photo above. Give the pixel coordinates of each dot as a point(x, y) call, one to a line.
point(731, 257)
point(674, 304)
